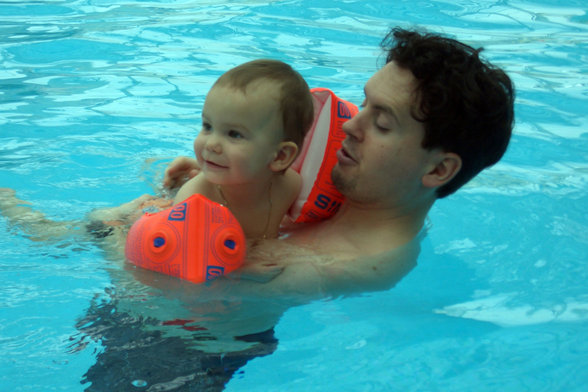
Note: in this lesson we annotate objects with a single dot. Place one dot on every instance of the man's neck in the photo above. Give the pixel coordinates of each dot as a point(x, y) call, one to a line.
point(386, 226)
point(362, 230)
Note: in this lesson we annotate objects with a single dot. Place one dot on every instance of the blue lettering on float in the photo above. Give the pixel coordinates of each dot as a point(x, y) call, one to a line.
point(334, 207)
point(178, 213)
point(214, 271)
point(343, 111)
point(322, 201)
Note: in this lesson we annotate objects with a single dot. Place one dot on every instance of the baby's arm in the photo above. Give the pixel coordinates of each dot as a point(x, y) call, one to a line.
point(196, 185)
point(187, 190)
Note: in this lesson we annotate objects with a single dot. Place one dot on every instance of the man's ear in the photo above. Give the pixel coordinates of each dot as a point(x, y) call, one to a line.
point(446, 165)
point(284, 157)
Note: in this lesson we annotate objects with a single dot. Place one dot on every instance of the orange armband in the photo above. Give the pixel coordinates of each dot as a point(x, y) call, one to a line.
point(318, 198)
point(196, 240)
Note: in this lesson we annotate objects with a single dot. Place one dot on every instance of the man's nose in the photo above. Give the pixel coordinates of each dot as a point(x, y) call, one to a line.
point(354, 126)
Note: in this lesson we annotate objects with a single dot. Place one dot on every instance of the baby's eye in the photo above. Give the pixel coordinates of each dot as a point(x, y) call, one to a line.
point(206, 127)
point(235, 134)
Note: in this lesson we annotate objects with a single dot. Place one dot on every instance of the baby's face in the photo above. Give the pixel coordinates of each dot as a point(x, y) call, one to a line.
point(241, 133)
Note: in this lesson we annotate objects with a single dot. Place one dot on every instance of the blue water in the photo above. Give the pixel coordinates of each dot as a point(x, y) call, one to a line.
point(91, 90)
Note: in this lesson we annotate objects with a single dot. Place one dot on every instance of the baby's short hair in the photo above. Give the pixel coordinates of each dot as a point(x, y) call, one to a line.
point(296, 103)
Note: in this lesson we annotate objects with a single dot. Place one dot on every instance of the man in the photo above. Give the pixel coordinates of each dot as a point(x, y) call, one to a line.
point(433, 117)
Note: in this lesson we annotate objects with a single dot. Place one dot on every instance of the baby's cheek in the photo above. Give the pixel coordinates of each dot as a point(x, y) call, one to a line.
point(197, 146)
point(198, 153)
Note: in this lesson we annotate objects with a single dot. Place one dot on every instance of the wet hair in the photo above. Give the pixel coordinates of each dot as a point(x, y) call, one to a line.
point(296, 103)
point(465, 103)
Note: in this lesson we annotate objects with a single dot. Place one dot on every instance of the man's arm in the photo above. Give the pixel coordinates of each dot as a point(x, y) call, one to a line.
point(32, 223)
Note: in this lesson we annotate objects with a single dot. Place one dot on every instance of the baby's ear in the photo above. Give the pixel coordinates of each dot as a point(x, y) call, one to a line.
point(284, 156)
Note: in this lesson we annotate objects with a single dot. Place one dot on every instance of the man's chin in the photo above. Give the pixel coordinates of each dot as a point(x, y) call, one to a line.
point(341, 182)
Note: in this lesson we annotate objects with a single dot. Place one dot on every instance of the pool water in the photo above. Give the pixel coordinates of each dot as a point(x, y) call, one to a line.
point(96, 95)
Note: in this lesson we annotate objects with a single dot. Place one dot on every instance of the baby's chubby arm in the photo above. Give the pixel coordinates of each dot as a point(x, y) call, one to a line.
point(196, 185)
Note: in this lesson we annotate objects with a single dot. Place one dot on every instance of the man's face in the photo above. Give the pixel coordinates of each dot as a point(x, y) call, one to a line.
point(382, 160)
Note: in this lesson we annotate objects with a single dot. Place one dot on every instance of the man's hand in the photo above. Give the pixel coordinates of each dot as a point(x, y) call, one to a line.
point(179, 171)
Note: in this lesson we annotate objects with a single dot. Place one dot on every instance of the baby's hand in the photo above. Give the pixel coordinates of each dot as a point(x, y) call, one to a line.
point(179, 171)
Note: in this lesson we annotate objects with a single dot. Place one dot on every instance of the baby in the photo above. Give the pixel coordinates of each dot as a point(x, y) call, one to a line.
point(254, 121)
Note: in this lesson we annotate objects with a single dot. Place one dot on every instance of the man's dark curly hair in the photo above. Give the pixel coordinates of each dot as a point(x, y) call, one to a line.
point(465, 103)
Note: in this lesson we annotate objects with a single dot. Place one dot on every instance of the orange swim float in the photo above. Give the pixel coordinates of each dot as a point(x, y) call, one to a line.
point(318, 198)
point(196, 240)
